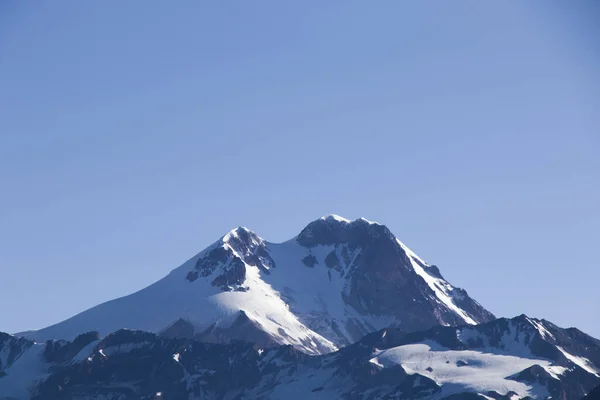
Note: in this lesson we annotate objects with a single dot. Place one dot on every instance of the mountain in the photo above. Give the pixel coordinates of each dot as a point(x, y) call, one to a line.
point(336, 281)
point(594, 394)
point(505, 359)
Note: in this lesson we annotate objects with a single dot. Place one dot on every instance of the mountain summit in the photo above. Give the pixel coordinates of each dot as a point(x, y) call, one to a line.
point(327, 287)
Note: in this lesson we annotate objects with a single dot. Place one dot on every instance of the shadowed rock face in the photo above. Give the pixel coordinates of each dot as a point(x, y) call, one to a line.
point(242, 329)
point(594, 394)
point(381, 276)
point(226, 261)
point(59, 351)
point(179, 329)
point(329, 231)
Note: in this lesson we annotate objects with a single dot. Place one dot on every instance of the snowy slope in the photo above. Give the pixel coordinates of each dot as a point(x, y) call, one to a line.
point(174, 297)
point(333, 283)
point(460, 371)
point(29, 368)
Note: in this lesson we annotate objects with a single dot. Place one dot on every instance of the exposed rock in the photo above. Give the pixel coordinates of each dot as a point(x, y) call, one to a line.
point(310, 261)
point(179, 329)
point(60, 351)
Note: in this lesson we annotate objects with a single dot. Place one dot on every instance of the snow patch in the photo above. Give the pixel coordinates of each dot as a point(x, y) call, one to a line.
point(555, 371)
point(581, 362)
point(368, 222)
point(464, 370)
point(375, 361)
point(540, 328)
point(335, 218)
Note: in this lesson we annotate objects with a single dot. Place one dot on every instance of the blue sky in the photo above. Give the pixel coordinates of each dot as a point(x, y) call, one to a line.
point(134, 134)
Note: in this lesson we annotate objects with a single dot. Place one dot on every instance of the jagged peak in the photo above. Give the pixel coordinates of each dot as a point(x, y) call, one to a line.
point(240, 233)
point(333, 229)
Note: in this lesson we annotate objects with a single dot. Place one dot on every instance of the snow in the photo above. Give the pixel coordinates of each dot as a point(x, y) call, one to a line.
point(540, 328)
point(4, 353)
point(555, 371)
point(516, 341)
point(410, 253)
point(335, 217)
point(156, 307)
point(294, 304)
point(581, 362)
point(440, 287)
point(25, 371)
point(375, 361)
point(466, 335)
point(294, 299)
point(369, 222)
point(86, 351)
point(263, 305)
point(482, 371)
point(315, 294)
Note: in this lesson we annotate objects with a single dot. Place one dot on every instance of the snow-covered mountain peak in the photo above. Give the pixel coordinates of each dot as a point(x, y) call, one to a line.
point(332, 229)
point(226, 261)
point(334, 217)
point(323, 290)
point(327, 287)
point(241, 234)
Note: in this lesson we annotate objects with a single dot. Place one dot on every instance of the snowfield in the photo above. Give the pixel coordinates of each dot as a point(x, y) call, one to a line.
point(463, 371)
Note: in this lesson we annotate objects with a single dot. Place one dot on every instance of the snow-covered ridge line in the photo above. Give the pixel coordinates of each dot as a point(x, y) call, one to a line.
point(440, 287)
point(335, 218)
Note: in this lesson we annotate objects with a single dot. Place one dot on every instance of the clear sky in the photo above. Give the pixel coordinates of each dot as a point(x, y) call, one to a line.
point(134, 134)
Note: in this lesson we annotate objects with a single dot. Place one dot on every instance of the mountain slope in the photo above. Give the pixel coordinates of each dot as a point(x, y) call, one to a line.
point(329, 286)
point(504, 359)
point(594, 394)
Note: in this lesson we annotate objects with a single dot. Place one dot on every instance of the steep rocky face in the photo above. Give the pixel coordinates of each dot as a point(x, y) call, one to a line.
point(226, 262)
point(382, 273)
point(594, 394)
point(59, 351)
point(335, 282)
point(500, 360)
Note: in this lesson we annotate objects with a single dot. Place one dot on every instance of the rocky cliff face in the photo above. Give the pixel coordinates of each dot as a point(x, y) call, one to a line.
point(382, 273)
point(594, 394)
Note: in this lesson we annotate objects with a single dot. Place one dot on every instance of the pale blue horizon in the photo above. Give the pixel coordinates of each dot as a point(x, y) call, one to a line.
point(133, 135)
